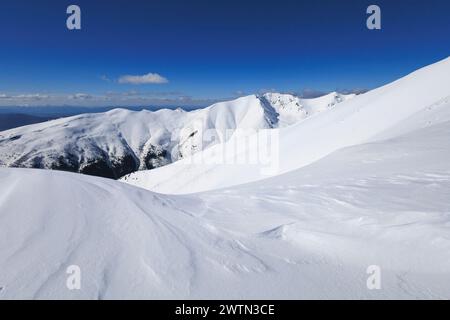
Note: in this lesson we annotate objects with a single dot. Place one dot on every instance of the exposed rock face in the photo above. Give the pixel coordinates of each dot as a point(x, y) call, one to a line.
point(155, 156)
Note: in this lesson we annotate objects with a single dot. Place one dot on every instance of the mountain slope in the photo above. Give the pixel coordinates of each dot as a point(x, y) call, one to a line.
point(292, 109)
point(118, 142)
point(310, 233)
point(352, 122)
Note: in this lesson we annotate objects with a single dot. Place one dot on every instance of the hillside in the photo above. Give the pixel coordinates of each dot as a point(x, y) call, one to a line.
point(120, 141)
point(359, 120)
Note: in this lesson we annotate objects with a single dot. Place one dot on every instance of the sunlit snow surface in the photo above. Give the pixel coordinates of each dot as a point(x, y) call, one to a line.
point(359, 120)
point(123, 140)
point(380, 198)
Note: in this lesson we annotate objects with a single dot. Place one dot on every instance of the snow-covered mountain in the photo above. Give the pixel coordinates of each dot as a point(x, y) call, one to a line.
point(355, 121)
point(292, 109)
point(118, 142)
point(362, 185)
point(312, 232)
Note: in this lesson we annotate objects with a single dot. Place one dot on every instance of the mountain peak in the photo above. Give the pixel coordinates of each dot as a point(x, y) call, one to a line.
point(121, 141)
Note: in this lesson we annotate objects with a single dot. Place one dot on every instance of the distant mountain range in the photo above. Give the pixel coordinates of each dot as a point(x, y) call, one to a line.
point(360, 202)
point(115, 143)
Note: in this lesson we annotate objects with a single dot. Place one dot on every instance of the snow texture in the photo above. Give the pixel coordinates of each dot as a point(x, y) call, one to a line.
point(364, 183)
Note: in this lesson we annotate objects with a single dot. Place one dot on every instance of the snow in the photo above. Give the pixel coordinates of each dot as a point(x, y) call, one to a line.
point(365, 183)
point(150, 139)
point(351, 122)
point(292, 109)
point(310, 233)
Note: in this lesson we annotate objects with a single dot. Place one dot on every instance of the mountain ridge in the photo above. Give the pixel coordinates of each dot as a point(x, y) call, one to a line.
point(352, 122)
point(118, 142)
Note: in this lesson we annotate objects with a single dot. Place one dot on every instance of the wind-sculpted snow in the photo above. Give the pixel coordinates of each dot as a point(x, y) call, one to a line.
point(119, 142)
point(362, 185)
point(310, 233)
point(352, 122)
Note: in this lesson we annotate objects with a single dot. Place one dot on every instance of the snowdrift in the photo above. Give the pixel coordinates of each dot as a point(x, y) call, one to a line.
point(380, 199)
point(310, 233)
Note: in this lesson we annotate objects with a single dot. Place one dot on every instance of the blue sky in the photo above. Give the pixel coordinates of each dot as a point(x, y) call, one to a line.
point(209, 50)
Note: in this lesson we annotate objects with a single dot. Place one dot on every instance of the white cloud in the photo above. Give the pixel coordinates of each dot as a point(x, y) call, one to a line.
point(35, 96)
point(149, 78)
point(130, 98)
point(105, 78)
point(80, 96)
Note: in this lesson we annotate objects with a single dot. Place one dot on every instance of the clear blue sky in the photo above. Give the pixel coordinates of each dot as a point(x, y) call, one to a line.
point(210, 50)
